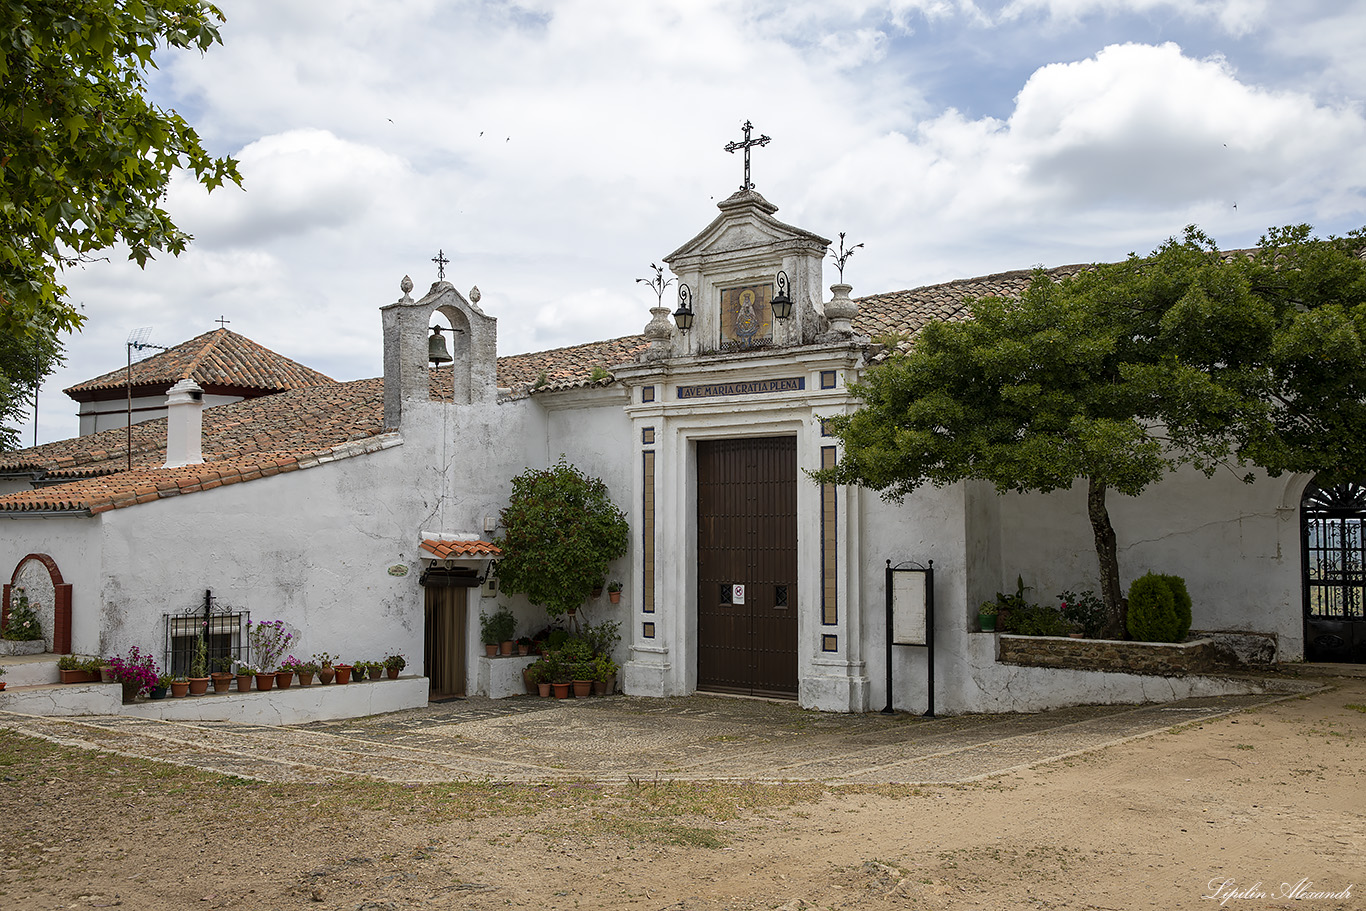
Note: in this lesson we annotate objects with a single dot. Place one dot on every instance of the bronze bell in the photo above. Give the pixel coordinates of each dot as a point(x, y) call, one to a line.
point(437, 352)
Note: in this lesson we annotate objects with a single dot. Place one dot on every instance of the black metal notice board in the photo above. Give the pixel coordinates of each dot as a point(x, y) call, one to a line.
point(910, 619)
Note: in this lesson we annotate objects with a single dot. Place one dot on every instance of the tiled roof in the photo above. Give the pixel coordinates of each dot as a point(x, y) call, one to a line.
point(299, 427)
point(451, 550)
point(904, 313)
point(130, 488)
point(567, 367)
point(217, 358)
point(300, 420)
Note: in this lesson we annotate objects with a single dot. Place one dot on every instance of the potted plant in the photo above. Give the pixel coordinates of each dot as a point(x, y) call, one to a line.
point(488, 635)
point(375, 669)
point(343, 671)
point(270, 641)
point(265, 678)
point(2, 683)
point(222, 674)
point(159, 691)
point(77, 670)
point(604, 676)
point(245, 673)
point(538, 672)
point(326, 672)
point(199, 667)
point(394, 665)
point(284, 674)
point(137, 672)
point(986, 616)
point(22, 623)
point(104, 669)
point(614, 591)
point(524, 645)
point(306, 671)
point(180, 687)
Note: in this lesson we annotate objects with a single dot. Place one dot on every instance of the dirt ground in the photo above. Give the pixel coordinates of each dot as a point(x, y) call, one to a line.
point(1240, 812)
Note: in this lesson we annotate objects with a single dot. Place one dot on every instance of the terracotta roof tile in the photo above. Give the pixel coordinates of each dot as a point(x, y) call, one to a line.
point(450, 550)
point(565, 368)
point(128, 488)
point(217, 358)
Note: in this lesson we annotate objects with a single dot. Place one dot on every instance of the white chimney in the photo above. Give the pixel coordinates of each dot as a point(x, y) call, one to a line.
point(184, 424)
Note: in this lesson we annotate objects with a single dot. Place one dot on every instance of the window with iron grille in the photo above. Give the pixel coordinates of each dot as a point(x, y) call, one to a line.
point(225, 635)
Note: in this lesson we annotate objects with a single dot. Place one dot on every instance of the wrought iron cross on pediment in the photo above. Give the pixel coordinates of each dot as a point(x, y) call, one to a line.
point(747, 145)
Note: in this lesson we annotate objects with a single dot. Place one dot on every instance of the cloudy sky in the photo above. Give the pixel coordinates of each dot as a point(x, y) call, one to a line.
point(555, 148)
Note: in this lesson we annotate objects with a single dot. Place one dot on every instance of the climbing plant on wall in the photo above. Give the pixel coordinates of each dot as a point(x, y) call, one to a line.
point(561, 532)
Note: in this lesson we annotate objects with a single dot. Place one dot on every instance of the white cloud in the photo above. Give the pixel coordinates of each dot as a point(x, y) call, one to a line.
point(1237, 17)
point(602, 123)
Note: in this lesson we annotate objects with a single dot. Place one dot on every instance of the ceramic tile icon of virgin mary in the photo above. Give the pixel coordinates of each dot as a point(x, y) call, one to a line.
point(746, 317)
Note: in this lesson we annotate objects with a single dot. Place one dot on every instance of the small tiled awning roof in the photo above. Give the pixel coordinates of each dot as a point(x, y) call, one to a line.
point(454, 550)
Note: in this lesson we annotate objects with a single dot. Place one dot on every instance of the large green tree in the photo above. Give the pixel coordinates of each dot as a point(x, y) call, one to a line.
point(1120, 373)
point(85, 158)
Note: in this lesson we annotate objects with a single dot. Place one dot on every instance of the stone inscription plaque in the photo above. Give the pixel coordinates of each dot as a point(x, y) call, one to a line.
point(749, 387)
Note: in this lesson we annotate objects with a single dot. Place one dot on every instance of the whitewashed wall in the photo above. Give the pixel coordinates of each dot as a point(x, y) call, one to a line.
point(1237, 546)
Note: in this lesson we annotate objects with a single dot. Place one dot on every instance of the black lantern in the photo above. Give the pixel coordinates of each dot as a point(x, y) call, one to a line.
point(782, 301)
point(684, 315)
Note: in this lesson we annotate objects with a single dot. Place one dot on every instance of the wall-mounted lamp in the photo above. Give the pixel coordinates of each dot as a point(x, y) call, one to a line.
point(684, 315)
point(782, 301)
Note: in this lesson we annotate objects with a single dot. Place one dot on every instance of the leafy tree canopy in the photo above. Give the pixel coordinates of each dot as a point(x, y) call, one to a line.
point(84, 157)
point(561, 532)
point(1122, 372)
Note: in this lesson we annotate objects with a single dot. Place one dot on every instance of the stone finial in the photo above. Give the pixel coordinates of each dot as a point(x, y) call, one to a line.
point(840, 311)
point(474, 295)
point(406, 286)
point(660, 333)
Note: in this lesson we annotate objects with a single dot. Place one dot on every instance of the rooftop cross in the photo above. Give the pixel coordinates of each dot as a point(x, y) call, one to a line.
point(441, 263)
point(747, 145)
point(222, 322)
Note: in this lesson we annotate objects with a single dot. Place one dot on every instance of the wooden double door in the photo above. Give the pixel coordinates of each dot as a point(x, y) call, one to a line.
point(747, 566)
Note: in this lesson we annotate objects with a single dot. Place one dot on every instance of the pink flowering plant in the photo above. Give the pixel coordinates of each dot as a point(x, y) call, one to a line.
point(22, 624)
point(136, 667)
point(270, 641)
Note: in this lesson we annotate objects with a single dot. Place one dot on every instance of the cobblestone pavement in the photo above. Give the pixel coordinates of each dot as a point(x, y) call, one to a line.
point(620, 737)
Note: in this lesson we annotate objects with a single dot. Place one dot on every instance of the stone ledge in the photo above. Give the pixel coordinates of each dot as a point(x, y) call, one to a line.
point(1163, 659)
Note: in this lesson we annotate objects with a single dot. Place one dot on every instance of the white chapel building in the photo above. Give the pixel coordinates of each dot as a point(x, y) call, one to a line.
point(361, 513)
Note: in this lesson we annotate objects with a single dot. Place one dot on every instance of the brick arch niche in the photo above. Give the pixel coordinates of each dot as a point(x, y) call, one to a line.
point(41, 580)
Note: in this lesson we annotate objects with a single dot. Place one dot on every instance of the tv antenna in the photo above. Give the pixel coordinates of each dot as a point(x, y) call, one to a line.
point(137, 339)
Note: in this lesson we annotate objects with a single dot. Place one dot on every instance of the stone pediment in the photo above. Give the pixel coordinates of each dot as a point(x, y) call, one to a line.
point(746, 223)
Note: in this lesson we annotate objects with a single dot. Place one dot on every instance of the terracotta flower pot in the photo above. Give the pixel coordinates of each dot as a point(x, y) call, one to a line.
point(599, 687)
point(265, 681)
point(343, 672)
point(305, 678)
point(107, 674)
point(543, 689)
point(284, 679)
point(199, 686)
point(523, 649)
point(505, 648)
point(615, 596)
point(376, 671)
point(243, 683)
point(490, 650)
point(79, 676)
point(326, 674)
point(561, 690)
point(180, 688)
point(393, 672)
point(222, 682)
point(583, 689)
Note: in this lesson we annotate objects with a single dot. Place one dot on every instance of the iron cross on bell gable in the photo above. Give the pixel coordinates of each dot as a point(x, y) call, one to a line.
point(747, 145)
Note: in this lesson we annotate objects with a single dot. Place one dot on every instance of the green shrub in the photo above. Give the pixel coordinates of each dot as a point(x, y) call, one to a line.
point(1181, 603)
point(1033, 620)
point(1152, 610)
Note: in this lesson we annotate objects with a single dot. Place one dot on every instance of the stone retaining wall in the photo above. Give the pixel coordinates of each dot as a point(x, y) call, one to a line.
point(1166, 659)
